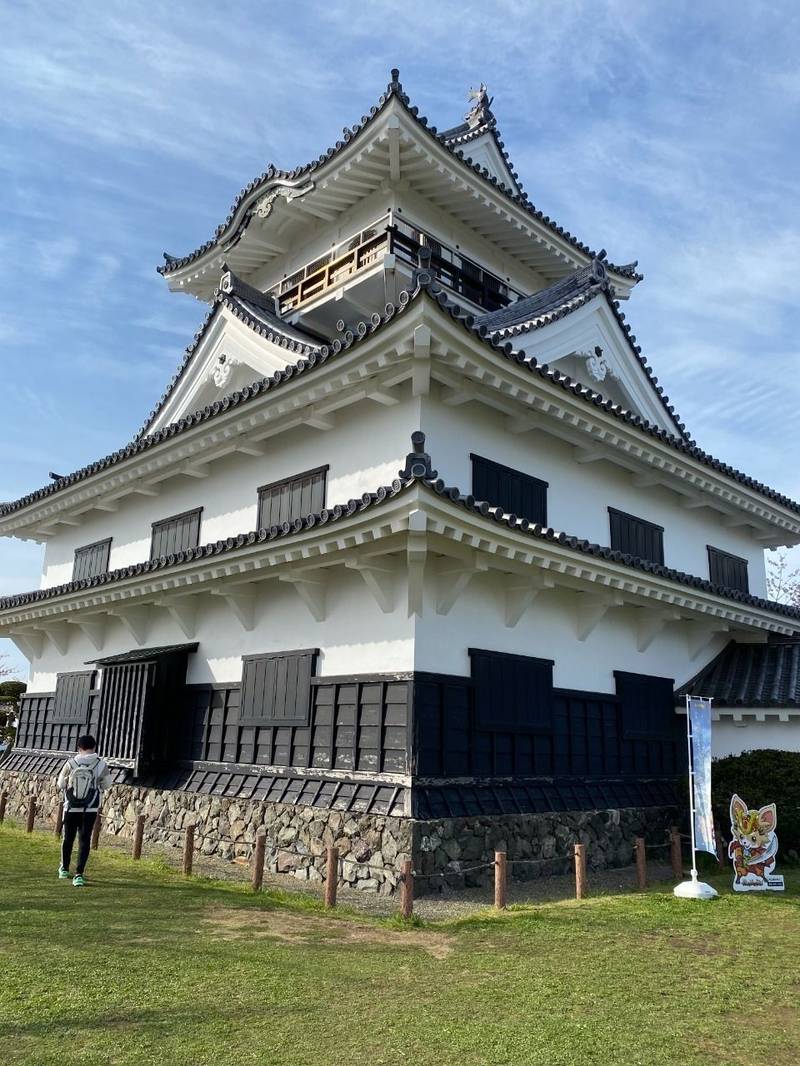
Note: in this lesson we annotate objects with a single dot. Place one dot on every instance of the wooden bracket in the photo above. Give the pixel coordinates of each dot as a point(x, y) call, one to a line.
point(184, 614)
point(650, 623)
point(591, 611)
point(521, 595)
point(416, 557)
point(136, 620)
point(242, 603)
point(311, 591)
point(452, 582)
point(94, 629)
point(379, 580)
point(58, 634)
point(700, 634)
point(421, 367)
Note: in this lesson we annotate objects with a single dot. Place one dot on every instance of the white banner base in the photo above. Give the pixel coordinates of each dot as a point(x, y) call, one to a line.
point(694, 890)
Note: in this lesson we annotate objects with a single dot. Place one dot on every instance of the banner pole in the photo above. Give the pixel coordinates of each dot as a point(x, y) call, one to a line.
point(691, 787)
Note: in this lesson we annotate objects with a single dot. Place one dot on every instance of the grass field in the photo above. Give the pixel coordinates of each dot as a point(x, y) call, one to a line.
point(144, 967)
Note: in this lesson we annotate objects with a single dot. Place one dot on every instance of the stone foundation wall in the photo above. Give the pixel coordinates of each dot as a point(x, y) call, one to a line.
point(542, 844)
point(296, 836)
point(443, 850)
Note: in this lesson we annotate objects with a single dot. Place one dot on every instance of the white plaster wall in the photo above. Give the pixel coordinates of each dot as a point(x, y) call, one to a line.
point(366, 450)
point(547, 631)
point(579, 495)
point(732, 738)
point(355, 637)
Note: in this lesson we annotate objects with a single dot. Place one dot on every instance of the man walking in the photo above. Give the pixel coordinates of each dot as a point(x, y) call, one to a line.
point(83, 779)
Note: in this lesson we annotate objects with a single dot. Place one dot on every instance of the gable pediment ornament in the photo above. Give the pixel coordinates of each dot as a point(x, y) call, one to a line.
point(222, 369)
point(596, 364)
point(289, 192)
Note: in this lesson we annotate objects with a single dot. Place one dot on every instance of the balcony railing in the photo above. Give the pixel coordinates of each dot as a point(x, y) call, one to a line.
point(404, 240)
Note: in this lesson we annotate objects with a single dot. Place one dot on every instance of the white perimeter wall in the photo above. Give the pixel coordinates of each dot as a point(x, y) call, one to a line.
point(732, 738)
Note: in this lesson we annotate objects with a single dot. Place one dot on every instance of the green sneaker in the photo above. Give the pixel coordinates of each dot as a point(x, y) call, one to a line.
point(78, 881)
point(63, 874)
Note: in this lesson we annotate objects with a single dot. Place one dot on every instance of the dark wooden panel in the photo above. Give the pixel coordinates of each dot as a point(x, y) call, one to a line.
point(294, 497)
point(511, 692)
point(175, 534)
point(635, 536)
point(276, 688)
point(727, 570)
point(71, 703)
point(502, 486)
point(92, 559)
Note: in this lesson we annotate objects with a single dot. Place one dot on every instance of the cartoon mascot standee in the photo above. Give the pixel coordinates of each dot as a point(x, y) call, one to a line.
point(754, 847)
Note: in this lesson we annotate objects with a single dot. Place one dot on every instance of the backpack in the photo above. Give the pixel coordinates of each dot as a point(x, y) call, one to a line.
point(82, 790)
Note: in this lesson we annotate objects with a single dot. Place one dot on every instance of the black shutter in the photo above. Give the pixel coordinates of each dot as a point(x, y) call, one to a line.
point(294, 497)
point(648, 705)
point(512, 692)
point(71, 703)
point(276, 688)
point(175, 534)
point(515, 492)
point(90, 560)
point(727, 570)
point(637, 537)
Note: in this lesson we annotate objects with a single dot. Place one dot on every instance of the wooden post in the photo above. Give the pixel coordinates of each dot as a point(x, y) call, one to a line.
point(3, 802)
point(500, 880)
point(407, 890)
point(331, 877)
point(98, 822)
point(258, 861)
point(581, 888)
point(675, 852)
point(59, 820)
point(188, 850)
point(641, 864)
point(31, 814)
point(138, 836)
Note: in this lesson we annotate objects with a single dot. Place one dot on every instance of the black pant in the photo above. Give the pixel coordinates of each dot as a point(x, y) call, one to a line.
point(82, 824)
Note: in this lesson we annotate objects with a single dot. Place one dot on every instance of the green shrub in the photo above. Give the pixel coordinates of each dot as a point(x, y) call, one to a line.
point(761, 777)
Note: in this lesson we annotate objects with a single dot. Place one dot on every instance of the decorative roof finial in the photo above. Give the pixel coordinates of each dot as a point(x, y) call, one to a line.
point(418, 462)
point(481, 110)
point(394, 84)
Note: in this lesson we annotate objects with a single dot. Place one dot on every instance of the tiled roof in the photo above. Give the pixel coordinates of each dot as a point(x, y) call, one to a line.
point(394, 90)
point(539, 796)
point(252, 307)
point(561, 299)
point(751, 675)
point(361, 797)
point(417, 470)
point(139, 655)
point(424, 282)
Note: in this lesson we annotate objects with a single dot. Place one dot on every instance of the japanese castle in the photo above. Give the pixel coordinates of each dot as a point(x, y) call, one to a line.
point(413, 536)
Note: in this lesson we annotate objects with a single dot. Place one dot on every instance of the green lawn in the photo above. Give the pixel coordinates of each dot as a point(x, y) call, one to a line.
point(143, 966)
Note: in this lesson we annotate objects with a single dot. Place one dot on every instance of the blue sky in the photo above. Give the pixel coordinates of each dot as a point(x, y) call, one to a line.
point(667, 133)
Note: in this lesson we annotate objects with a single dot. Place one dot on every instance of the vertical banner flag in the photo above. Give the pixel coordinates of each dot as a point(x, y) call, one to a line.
point(698, 710)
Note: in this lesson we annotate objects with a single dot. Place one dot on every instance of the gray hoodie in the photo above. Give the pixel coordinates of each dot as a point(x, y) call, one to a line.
point(102, 777)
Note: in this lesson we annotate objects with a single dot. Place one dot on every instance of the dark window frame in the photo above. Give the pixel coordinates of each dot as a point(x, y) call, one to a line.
point(719, 554)
point(644, 727)
point(270, 721)
point(161, 522)
point(654, 526)
point(61, 717)
point(106, 542)
point(541, 485)
point(272, 485)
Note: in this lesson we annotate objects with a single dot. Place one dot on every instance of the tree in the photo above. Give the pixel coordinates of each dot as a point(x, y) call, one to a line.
point(10, 692)
point(783, 579)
